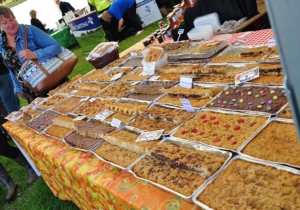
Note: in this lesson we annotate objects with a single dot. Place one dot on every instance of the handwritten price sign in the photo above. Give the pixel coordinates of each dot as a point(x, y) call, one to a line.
point(247, 76)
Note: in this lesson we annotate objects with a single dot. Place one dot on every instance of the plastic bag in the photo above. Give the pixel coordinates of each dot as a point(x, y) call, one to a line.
point(229, 26)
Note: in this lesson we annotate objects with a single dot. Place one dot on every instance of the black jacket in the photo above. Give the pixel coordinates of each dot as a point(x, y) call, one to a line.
point(65, 7)
point(37, 23)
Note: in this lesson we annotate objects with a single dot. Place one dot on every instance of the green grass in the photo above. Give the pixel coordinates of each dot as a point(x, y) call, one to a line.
point(38, 196)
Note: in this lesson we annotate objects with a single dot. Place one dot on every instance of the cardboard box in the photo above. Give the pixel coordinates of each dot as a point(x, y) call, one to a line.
point(148, 11)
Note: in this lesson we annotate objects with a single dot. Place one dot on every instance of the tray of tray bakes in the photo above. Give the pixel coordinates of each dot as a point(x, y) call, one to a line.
point(199, 95)
point(250, 98)
point(117, 89)
point(135, 75)
point(270, 73)
point(117, 72)
point(122, 144)
point(28, 114)
point(179, 168)
point(157, 117)
point(132, 61)
point(95, 75)
point(88, 135)
point(150, 90)
point(65, 84)
point(203, 49)
point(124, 109)
point(249, 184)
point(242, 54)
point(219, 129)
point(69, 104)
point(51, 101)
point(92, 106)
point(273, 142)
point(42, 121)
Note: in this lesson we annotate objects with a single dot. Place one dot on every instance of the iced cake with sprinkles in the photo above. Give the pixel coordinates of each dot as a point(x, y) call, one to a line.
point(251, 98)
point(42, 121)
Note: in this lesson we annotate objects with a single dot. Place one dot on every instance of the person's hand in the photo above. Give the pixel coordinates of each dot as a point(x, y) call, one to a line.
point(27, 54)
point(45, 24)
point(22, 94)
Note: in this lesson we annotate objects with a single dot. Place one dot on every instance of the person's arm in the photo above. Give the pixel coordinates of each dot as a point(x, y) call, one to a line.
point(17, 87)
point(43, 47)
point(121, 22)
point(71, 7)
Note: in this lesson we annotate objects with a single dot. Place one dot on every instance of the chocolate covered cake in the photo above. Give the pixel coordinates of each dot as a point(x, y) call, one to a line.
point(79, 141)
point(89, 129)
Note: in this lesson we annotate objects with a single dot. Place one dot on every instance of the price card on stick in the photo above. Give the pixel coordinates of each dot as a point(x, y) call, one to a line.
point(186, 82)
point(149, 136)
point(180, 31)
point(148, 68)
point(104, 114)
point(187, 105)
point(117, 76)
point(79, 118)
point(115, 123)
point(271, 42)
point(247, 76)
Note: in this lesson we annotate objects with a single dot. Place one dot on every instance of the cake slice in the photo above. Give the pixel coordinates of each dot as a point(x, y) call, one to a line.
point(127, 108)
point(66, 121)
point(196, 92)
point(89, 129)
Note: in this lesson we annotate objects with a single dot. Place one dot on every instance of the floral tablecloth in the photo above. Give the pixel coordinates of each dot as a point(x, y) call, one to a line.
point(90, 183)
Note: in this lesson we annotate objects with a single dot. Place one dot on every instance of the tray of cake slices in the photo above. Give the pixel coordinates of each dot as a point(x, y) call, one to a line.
point(117, 89)
point(157, 117)
point(199, 61)
point(219, 129)
point(117, 72)
point(198, 96)
point(275, 186)
point(149, 90)
point(123, 109)
point(51, 101)
point(68, 104)
point(42, 121)
point(63, 125)
point(87, 134)
point(242, 54)
point(272, 142)
point(251, 98)
point(96, 74)
point(27, 113)
point(178, 167)
point(136, 75)
point(286, 114)
point(92, 106)
point(122, 144)
point(203, 49)
point(132, 61)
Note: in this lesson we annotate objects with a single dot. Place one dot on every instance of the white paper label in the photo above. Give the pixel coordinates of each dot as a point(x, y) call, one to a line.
point(104, 114)
point(148, 68)
point(79, 118)
point(133, 54)
point(92, 100)
point(117, 76)
point(115, 123)
point(271, 42)
point(149, 136)
point(74, 91)
point(187, 105)
point(247, 75)
point(133, 84)
point(180, 31)
point(186, 82)
point(85, 99)
point(155, 78)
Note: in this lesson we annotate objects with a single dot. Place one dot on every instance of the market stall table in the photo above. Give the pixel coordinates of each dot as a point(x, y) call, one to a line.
point(63, 37)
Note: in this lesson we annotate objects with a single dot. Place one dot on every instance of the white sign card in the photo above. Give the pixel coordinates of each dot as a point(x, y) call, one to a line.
point(271, 42)
point(115, 123)
point(180, 31)
point(104, 114)
point(85, 99)
point(74, 91)
point(247, 75)
point(133, 54)
point(187, 105)
point(154, 78)
point(148, 68)
point(186, 82)
point(79, 118)
point(117, 76)
point(149, 136)
point(92, 100)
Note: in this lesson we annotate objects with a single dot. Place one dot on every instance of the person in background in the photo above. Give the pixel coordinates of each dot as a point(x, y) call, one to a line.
point(36, 22)
point(100, 5)
point(64, 7)
point(124, 13)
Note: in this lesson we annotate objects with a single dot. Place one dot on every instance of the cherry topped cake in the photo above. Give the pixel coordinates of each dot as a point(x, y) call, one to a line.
point(251, 98)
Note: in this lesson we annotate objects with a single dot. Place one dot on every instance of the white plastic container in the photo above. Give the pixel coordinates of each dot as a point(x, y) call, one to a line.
point(212, 19)
point(202, 32)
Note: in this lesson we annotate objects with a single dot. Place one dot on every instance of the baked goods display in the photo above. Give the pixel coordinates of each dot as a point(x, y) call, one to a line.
point(132, 62)
point(251, 98)
point(135, 75)
point(247, 185)
point(179, 69)
point(78, 141)
point(90, 109)
point(116, 90)
point(68, 104)
point(198, 96)
point(29, 115)
point(126, 140)
point(274, 55)
point(58, 131)
point(184, 182)
point(172, 76)
point(227, 131)
point(95, 75)
point(242, 54)
point(64, 85)
point(50, 102)
point(117, 70)
point(286, 113)
point(121, 157)
point(154, 54)
point(174, 115)
point(196, 161)
point(274, 142)
point(42, 121)
point(89, 129)
point(66, 121)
